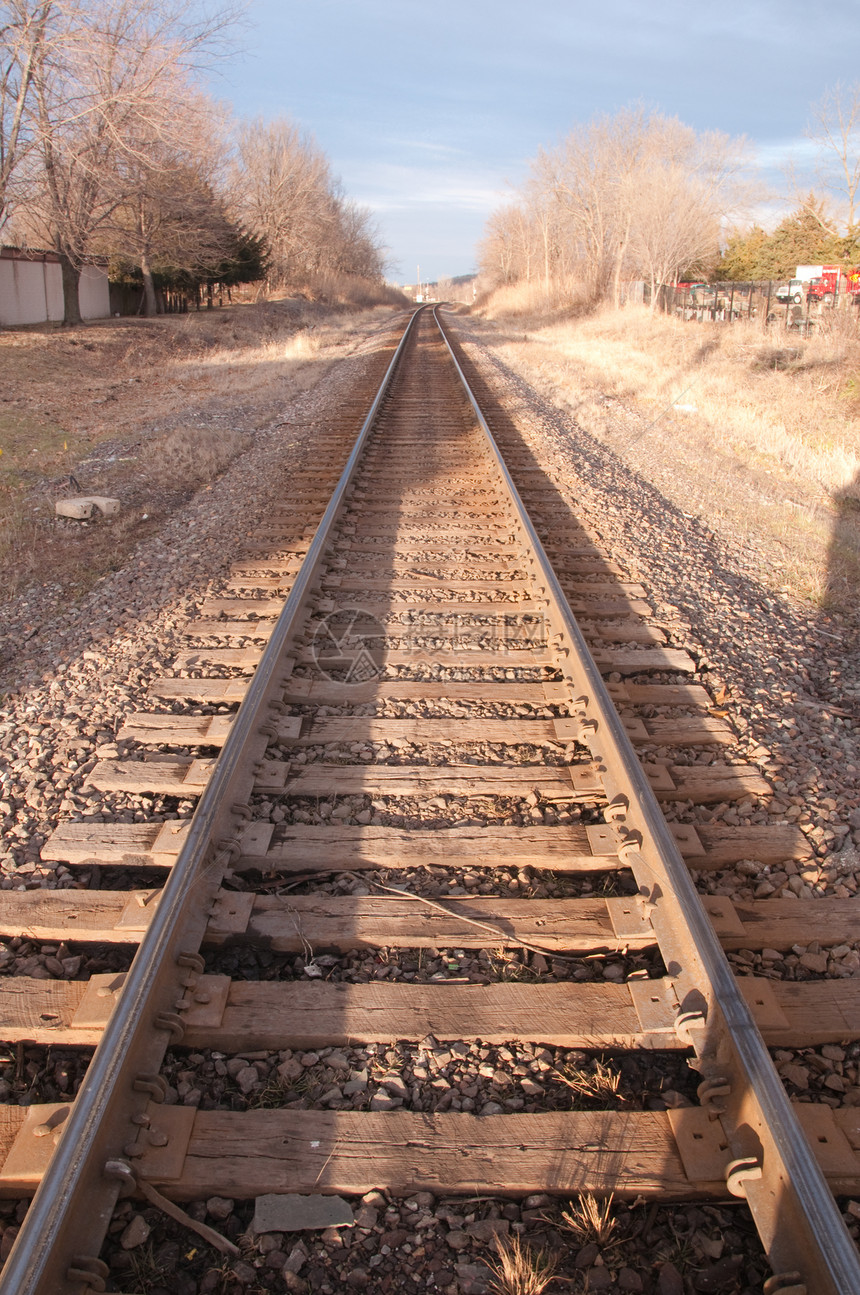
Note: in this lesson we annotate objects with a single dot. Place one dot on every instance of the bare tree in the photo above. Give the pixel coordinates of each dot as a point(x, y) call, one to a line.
point(169, 211)
point(674, 228)
point(112, 146)
point(107, 105)
point(285, 193)
point(540, 234)
point(632, 194)
point(514, 243)
point(684, 188)
point(280, 183)
point(354, 246)
point(176, 226)
point(23, 29)
point(591, 177)
point(835, 129)
point(498, 250)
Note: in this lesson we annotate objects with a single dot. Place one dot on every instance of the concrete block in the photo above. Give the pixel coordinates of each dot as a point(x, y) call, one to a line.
point(82, 509)
point(108, 507)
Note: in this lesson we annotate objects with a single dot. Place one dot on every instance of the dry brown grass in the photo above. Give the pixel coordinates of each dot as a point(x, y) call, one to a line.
point(188, 457)
point(535, 302)
point(519, 1269)
point(135, 408)
point(596, 1081)
point(757, 431)
point(590, 1219)
point(348, 290)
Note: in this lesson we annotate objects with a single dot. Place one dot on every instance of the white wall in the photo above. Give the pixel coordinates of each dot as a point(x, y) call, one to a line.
point(94, 293)
point(31, 292)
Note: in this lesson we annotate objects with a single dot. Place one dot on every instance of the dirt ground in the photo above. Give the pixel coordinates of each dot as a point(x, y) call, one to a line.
point(144, 411)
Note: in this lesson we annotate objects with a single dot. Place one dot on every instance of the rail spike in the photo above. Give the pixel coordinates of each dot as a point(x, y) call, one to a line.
point(88, 1271)
point(784, 1284)
point(746, 1169)
point(617, 809)
point(154, 1085)
point(171, 1024)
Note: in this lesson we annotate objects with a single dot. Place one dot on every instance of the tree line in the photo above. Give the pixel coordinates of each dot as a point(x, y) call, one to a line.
point(109, 147)
point(641, 196)
point(810, 235)
point(633, 196)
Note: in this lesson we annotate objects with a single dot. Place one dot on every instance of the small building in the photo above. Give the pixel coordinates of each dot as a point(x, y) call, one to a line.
point(31, 288)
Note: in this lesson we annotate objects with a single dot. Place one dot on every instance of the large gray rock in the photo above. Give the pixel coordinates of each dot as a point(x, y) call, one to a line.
point(292, 1213)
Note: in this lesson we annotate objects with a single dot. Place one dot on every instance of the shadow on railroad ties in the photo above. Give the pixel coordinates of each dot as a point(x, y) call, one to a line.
point(841, 600)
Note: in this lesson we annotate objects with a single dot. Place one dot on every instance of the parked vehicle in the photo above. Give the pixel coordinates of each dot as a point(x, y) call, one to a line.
point(826, 282)
point(824, 286)
point(792, 291)
point(853, 279)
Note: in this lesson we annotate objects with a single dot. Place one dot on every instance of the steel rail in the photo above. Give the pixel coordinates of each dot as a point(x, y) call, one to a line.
point(794, 1210)
point(43, 1250)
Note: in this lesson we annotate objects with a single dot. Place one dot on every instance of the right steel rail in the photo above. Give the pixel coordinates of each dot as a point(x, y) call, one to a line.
point(774, 1167)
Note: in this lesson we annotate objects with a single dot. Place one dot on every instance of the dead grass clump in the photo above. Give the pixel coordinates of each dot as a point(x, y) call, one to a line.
point(595, 1081)
point(850, 395)
point(520, 1270)
point(590, 1219)
point(776, 357)
point(274, 1094)
point(189, 457)
point(352, 290)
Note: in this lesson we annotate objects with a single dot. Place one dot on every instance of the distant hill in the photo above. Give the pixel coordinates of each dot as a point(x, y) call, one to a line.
point(457, 281)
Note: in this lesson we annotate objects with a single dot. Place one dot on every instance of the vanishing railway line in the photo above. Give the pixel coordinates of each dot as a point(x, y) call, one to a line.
point(420, 705)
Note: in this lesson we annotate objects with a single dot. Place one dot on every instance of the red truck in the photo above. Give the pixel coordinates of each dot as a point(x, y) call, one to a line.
point(822, 286)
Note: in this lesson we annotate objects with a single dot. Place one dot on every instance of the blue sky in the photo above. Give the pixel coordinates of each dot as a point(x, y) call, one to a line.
point(429, 110)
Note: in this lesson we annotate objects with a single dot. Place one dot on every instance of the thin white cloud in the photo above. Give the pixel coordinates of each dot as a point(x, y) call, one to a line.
point(391, 187)
point(778, 154)
point(424, 146)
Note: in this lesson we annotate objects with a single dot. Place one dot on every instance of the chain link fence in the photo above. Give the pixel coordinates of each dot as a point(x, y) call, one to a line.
point(776, 303)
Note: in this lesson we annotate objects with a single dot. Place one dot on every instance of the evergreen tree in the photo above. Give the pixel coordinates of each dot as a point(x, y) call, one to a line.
point(806, 237)
point(742, 261)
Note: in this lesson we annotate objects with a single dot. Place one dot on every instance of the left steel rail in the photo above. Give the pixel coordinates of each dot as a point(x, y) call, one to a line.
point(56, 1251)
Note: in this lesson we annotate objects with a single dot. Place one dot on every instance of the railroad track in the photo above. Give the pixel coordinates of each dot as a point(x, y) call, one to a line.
point(426, 738)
